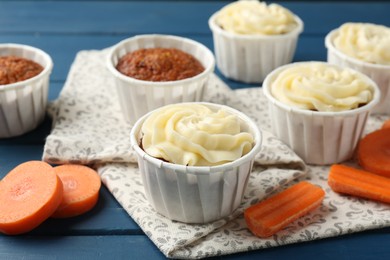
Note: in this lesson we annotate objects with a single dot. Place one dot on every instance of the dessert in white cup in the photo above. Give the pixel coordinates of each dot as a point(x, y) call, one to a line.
point(364, 47)
point(137, 97)
point(23, 103)
point(319, 109)
point(211, 172)
point(252, 38)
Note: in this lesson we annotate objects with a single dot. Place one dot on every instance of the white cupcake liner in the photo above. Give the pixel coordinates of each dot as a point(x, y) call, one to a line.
point(137, 97)
point(23, 104)
point(249, 58)
point(196, 194)
point(377, 72)
point(319, 138)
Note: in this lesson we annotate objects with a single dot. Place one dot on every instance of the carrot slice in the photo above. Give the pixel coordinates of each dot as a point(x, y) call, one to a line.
point(29, 194)
point(374, 152)
point(81, 190)
point(271, 215)
point(352, 181)
point(386, 124)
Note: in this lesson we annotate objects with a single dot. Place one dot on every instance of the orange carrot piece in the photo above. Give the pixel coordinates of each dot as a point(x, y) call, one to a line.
point(352, 181)
point(81, 190)
point(386, 124)
point(374, 152)
point(271, 215)
point(29, 194)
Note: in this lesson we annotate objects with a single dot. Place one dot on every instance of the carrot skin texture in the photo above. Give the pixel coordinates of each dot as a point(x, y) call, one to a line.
point(81, 190)
point(273, 214)
point(386, 124)
point(29, 194)
point(360, 183)
point(374, 152)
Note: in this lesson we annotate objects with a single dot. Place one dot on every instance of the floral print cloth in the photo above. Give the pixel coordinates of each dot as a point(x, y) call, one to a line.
point(88, 128)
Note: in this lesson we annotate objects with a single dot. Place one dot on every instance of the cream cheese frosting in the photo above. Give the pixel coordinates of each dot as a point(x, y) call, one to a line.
point(194, 135)
point(255, 17)
point(364, 41)
point(321, 87)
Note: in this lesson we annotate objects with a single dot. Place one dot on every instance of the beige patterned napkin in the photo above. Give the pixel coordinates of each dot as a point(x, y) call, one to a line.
point(88, 128)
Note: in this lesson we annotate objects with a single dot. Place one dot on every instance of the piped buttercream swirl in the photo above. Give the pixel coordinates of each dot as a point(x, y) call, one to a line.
point(321, 87)
point(364, 41)
point(254, 17)
point(195, 135)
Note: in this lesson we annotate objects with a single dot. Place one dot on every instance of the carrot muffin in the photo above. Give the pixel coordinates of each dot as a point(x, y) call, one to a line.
point(319, 109)
point(252, 38)
point(195, 159)
point(161, 71)
point(14, 69)
point(159, 64)
point(24, 83)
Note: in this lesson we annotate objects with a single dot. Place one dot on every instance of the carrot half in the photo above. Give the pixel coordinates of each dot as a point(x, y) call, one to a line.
point(374, 152)
point(271, 215)
point(352, 181)
point(81, 190)
point(29, 194)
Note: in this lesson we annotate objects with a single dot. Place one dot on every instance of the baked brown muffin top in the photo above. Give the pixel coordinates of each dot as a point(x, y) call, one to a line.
point(14, 69)
point(159, 64)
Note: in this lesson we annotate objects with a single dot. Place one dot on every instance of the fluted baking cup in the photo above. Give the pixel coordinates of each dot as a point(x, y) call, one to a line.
point(196, 194)
point(137, 97)
point(318, 137)
point(377, 72)
point(249, 58)
point(23, 104)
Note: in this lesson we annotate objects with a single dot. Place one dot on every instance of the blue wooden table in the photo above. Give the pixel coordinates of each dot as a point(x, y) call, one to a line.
point(62, 28)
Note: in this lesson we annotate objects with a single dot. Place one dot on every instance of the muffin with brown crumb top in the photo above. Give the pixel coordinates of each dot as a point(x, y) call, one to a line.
point(14, 69)
point(24, 85)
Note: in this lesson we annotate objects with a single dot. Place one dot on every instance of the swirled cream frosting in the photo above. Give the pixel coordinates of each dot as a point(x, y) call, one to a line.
point(321, 87)
point(194, 135)
point(254, 17)
point(364, 41)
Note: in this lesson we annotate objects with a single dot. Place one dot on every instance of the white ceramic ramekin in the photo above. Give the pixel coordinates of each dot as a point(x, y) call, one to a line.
point(137, 97)
point(319, 138)
point(377, 72)
point(196, 194)
point(23, 104)
point(249, 58)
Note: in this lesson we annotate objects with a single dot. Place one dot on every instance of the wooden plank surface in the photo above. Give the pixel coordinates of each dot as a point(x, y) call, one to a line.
point(78, 247)
point(63, 28)
point(178, 17)
point(369, 246)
